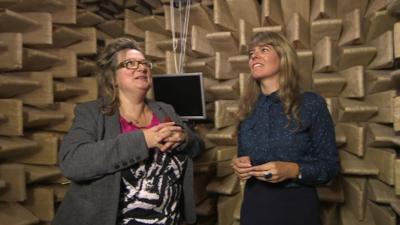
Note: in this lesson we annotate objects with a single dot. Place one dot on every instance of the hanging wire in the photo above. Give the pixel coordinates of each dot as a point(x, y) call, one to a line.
point(183, 33)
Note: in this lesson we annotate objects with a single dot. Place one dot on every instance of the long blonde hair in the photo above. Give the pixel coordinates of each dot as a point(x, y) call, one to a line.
point(107, 62)
point(289, 90)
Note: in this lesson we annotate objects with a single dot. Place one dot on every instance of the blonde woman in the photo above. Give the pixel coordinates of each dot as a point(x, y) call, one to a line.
point(129, 158)
point(286, 139)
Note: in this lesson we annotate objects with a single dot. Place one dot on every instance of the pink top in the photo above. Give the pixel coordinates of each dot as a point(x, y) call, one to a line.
point(129, 127)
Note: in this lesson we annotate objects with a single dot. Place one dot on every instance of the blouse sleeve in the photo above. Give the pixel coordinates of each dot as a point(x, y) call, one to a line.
point(322, 163)
point(240, 150)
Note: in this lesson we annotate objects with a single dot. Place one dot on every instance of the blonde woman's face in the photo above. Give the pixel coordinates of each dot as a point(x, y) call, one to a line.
point(264, 62)
point(133, 80)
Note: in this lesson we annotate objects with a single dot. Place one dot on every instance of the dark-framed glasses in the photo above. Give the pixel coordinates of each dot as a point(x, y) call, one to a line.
point(132, 64)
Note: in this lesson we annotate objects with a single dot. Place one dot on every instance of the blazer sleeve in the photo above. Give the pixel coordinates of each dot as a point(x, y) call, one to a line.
point(84, 157)
point(193, 144)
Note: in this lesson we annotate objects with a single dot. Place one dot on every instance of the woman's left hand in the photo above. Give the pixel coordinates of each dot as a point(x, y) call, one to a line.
point(173, 140)
point(279, 171)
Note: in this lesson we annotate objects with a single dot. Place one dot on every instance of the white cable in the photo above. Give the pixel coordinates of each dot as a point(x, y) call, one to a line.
point(174, 41)
point(184, 39)
point(183, 33)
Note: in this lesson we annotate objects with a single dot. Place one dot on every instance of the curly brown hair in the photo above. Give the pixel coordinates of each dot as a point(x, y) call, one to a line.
point(107, 62)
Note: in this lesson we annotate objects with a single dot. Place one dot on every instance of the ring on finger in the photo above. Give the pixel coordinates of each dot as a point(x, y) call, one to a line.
point(267, 175)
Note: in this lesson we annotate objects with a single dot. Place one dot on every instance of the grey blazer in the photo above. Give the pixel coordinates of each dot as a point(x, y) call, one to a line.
point(94, 152)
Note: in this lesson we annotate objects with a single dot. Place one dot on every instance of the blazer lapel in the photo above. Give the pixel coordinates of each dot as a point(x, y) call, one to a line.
point(156, 108)
point(111, 125)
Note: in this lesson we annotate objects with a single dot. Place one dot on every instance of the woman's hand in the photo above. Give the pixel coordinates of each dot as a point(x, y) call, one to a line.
point(242, 167)
point(279, 171)
point(176, 138)
point(155, 135)
point(164, 136)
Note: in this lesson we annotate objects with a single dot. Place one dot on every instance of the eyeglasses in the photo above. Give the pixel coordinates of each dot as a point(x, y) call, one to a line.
point(132, 64)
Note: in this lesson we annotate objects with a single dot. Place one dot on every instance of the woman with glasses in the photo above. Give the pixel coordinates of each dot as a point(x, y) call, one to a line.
point(129, 158)
point(286, 139)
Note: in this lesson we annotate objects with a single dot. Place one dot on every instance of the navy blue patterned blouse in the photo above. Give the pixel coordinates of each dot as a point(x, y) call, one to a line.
point(265, 137)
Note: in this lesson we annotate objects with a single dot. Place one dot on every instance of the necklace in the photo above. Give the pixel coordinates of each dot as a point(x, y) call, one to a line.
point(140, 121)
point(137, 121)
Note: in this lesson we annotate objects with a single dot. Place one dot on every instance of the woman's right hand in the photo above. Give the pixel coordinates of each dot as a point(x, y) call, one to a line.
point(155, 136)
point(242, 167)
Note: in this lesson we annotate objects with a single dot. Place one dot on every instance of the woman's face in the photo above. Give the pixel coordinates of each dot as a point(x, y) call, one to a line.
point(264, 62)
point(133, 80)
